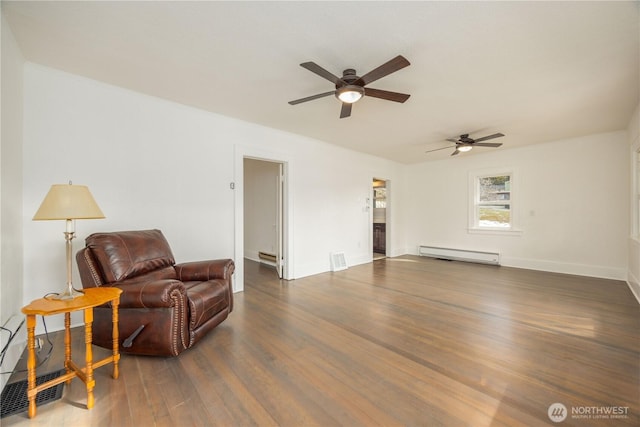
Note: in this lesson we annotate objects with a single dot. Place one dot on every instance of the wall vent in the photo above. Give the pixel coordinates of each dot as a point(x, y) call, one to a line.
point(460, 255)
point(338, 261)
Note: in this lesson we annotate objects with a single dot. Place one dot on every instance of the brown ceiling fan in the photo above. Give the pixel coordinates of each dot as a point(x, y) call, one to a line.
point(464, 143)
point(350, 87)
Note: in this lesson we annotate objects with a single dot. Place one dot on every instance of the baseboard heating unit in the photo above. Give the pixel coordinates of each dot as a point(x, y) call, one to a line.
point(267, 258)
point(481, 257)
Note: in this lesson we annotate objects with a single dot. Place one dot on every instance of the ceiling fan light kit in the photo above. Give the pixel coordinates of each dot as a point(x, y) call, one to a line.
point(464, 143)
point(349, 93)
point(350, 87)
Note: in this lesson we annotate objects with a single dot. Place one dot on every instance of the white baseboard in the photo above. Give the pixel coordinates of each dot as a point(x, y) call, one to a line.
point(405, 251)
point(311, 269)
point(358, 260)
point(397, 253)
point(634, 285)
point(559, 267)
point(566, 268)
point(252, 255)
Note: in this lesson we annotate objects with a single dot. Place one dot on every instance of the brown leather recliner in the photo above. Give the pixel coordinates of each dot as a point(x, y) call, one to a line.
point(170, 306)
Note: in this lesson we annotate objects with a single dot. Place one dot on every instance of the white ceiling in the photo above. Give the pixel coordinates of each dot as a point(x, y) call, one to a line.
point(535, 71)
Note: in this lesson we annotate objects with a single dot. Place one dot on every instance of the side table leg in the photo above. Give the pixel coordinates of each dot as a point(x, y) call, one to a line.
point(88, 320)
point(116, 350)
point(31, 365)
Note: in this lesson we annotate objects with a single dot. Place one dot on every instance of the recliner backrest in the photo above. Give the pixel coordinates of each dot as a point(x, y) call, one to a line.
point(127, 254)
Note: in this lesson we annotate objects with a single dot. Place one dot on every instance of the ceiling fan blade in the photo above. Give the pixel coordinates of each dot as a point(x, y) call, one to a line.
point(383, 94)
point(487, 144)
point(438, 149)
point(385, 69)
point(311, 98)
point(315, 68)
point(455, 153)
point(346, 110)
point(484, 138)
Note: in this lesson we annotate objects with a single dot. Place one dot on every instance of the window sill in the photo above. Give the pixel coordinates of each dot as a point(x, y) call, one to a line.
point(495, 231)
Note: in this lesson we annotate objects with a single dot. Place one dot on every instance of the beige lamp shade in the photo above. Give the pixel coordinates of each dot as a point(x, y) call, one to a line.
point(68, 201)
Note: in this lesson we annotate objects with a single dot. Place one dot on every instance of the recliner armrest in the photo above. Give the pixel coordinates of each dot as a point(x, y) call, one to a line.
point(205, 270)
point(150, 294)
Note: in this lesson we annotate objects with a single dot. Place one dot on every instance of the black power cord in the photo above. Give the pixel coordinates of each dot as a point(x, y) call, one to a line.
point(12, 336)
point(40, 361)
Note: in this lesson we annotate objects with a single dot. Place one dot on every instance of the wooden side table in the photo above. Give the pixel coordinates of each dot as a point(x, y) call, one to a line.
point(92, 297)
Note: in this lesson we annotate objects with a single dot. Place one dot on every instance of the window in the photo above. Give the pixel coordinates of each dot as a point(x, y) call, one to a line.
point(491, 203)
point(493, 206)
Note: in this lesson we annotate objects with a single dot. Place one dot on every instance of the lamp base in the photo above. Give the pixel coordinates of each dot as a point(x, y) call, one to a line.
point(68, 294)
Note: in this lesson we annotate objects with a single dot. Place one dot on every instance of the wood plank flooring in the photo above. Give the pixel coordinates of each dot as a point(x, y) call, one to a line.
point(403, 341)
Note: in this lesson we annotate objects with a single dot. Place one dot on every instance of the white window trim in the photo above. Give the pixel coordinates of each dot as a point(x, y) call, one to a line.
point(473, 227)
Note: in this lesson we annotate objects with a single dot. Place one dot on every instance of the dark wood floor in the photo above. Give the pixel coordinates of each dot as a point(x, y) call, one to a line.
point(402, 341)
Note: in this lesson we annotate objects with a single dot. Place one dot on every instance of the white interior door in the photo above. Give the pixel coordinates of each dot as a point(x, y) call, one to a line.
point(241, 212)
point(264, 219)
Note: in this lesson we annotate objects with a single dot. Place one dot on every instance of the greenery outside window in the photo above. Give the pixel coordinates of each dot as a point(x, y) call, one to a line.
point(491, 201)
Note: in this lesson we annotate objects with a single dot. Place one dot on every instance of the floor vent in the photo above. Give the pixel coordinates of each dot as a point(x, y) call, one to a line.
point(14, 395)
point(492, 258)
point(338, 261)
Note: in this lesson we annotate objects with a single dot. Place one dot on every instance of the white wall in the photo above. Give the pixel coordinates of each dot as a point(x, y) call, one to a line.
point(572, 204)
point(11, 260)
point(633, 277)
point(151, 163)
point(261, 182)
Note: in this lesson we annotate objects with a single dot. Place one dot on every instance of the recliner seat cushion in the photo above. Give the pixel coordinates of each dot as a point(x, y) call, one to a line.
point(128, 254)
point(206, 299)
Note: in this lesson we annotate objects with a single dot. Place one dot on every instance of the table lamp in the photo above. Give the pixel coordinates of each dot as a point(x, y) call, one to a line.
point(68, 202)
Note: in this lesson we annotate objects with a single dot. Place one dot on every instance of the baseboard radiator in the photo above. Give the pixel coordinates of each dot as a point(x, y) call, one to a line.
point(267, 258)
point(481, 257)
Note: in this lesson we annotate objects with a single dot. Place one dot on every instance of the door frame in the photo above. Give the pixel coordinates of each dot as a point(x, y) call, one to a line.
point(259, 153)
point(387, 184)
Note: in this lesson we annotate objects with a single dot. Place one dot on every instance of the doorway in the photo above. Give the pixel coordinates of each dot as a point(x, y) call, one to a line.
point(263, 222)
point(379, 218)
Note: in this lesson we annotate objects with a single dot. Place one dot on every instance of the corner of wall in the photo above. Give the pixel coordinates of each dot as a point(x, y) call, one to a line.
point(633, 271)
point(634, 285)
point(11, 170)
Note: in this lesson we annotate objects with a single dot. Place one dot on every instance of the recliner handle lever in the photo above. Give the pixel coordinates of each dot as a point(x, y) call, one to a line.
point(129, 341)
